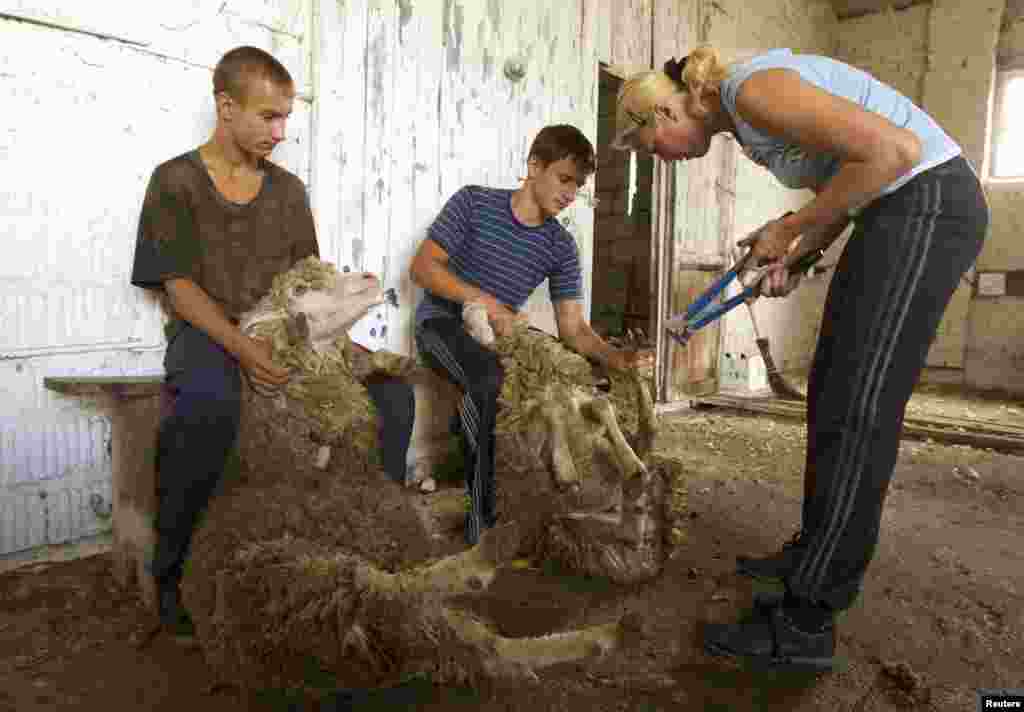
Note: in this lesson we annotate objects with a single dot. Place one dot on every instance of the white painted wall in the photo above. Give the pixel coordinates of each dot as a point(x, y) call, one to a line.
point(94, 96)
point(401, 103)
point(413, 103)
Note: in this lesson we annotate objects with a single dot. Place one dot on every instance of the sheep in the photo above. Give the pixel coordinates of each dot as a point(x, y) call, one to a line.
point(305, 558)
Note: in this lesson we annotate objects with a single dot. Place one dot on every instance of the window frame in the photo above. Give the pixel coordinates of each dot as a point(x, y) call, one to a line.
point(1004, 75)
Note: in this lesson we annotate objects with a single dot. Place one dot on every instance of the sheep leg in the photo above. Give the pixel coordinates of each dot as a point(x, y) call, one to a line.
point(562, 463)
point(601, 410)
point(511, 658)
point(647, 425)
point(469, 571)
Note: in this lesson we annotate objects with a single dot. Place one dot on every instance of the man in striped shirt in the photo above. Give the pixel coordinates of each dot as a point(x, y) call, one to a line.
point(495, 246)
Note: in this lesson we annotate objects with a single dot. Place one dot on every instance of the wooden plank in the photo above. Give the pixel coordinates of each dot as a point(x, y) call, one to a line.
point(940, 430)
point(381, 43)
point(329, 128)
point(846, 9)
point(414, 195)
point(693, 368)
point(353, 194)
point(703, 224)
point(674, 31)
point(102, 380)
point(630, 24)
point(700, 235)
point(587, 107)
point(664, 186)
point(195, 34)
point(972, 425)
point(116, 386)
point(671, 37)
point(467, 134)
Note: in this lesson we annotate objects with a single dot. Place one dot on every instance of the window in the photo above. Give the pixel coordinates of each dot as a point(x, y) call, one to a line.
point(1007, 160)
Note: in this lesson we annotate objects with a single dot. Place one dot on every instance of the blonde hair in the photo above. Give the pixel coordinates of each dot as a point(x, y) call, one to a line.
point(642, 94)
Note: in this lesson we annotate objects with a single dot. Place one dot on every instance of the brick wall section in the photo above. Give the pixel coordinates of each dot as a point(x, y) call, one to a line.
point(622, 236)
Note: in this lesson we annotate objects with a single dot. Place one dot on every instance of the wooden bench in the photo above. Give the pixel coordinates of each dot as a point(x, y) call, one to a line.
point(136, 404)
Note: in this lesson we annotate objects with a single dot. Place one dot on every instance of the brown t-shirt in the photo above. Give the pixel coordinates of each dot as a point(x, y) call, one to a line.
point(232, 251)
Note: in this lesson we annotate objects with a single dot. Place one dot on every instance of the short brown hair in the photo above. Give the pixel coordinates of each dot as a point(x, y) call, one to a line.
point(242, 64)
point(554, 143)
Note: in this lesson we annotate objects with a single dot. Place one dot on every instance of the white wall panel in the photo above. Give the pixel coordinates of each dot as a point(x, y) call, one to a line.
point(71, 214)
point(488, 121)
point(95, 96)
point(423, 107)
point(413, 194)
point(382, 31)
point(22, 521)
point(194, 32)
point(341, 127)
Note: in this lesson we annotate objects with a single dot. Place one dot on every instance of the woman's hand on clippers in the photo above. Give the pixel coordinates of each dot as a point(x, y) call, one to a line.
point(778, 281)
point(771, 242)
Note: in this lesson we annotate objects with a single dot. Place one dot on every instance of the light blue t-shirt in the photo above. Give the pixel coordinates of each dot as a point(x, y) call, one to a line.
point(789, 163)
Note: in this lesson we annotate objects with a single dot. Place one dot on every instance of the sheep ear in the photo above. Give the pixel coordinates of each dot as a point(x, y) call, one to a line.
point(674, 68)
point(619, 71)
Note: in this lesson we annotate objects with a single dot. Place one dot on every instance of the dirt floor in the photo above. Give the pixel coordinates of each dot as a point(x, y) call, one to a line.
point(941, 616)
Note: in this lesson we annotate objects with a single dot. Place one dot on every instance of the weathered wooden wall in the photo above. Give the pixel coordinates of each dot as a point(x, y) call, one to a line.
point(94, 96)
point(401, 103)
point(414, 101)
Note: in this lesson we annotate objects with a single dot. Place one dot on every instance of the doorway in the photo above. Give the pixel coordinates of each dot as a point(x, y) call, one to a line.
point(623, 280)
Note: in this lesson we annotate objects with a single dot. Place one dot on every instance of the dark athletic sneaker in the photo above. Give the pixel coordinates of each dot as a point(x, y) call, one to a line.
point(774, 640)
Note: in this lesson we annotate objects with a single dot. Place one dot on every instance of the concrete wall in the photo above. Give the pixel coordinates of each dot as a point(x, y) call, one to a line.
point(892, 46)
point(996, 354)
point(943, 54)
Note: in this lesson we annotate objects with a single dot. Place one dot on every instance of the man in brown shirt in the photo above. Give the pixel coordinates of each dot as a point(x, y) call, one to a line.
point(217, 224)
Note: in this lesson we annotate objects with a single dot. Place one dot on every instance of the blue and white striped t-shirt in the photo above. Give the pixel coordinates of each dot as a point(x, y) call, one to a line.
point(489, 248)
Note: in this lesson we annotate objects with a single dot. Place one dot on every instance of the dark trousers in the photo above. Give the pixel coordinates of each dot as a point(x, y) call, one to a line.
point(395, 401)
point(193, 443)
point(449, 349)
point(892, 284)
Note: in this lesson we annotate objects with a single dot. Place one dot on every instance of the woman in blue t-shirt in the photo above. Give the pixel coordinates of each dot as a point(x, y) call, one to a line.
point(872, 158)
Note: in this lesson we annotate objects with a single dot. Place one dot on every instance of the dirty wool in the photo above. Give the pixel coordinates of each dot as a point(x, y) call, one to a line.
point(305, 566)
